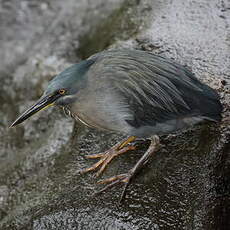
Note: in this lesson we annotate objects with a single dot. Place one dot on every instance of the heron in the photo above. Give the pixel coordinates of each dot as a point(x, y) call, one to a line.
point(132, 92)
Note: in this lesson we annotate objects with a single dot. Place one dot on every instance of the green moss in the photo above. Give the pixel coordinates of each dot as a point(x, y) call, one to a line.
point(120, 25)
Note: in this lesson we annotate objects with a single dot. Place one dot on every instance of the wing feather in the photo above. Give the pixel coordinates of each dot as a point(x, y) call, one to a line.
point(154, 88)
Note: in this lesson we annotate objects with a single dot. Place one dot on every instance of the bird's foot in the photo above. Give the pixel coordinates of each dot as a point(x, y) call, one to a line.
point(115, 180)
point(126, 177)
point(108, 156)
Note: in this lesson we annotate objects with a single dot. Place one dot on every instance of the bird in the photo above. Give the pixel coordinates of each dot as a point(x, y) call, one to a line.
point(132, 92)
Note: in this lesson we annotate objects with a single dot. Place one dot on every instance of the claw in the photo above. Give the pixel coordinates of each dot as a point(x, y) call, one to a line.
point(94, 156)
point(93, 167)
point(111, 179)
point(115, 180)
point(127, 177)
point(108, 156)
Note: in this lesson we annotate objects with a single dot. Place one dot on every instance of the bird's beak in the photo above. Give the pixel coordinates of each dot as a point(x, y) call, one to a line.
point(43, 103)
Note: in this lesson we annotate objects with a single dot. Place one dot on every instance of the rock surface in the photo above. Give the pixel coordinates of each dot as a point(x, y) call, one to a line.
point(186, 186)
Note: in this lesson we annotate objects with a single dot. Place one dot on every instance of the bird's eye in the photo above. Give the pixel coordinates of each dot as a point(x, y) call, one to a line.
point(61, 91)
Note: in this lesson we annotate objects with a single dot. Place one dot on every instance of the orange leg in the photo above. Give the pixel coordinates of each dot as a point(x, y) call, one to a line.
point(107, 157)
point(126, 177)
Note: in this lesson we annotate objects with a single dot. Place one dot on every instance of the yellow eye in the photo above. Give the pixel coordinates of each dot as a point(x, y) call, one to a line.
point(61, 91)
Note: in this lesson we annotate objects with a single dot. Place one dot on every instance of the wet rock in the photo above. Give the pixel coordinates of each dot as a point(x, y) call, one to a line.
point(186, 186)
point(4, 193)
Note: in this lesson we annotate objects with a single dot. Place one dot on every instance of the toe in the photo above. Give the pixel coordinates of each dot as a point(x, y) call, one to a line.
point(95, 156)
point(112, 179)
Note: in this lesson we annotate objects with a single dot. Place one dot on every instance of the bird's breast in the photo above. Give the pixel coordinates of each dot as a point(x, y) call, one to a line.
point(98, 115)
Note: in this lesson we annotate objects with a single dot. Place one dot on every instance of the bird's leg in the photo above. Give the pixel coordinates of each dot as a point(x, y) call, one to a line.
point(126, 177)
point(106, 157)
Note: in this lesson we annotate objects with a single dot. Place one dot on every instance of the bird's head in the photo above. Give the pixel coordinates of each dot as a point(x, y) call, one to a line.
point(61, 90)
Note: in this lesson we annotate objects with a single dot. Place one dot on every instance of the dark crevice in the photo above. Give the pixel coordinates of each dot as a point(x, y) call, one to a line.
point(120, 25)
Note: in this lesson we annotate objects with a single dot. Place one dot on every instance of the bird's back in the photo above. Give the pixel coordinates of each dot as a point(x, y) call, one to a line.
point(159, 95)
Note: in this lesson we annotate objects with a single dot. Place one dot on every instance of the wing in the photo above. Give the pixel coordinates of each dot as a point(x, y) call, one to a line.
point(154, 88)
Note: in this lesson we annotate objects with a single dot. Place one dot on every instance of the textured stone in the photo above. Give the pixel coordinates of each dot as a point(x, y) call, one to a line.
point(186, 186)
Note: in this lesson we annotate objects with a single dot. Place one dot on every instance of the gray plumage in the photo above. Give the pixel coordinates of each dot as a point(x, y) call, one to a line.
point(139, 93)
point(133, 92)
